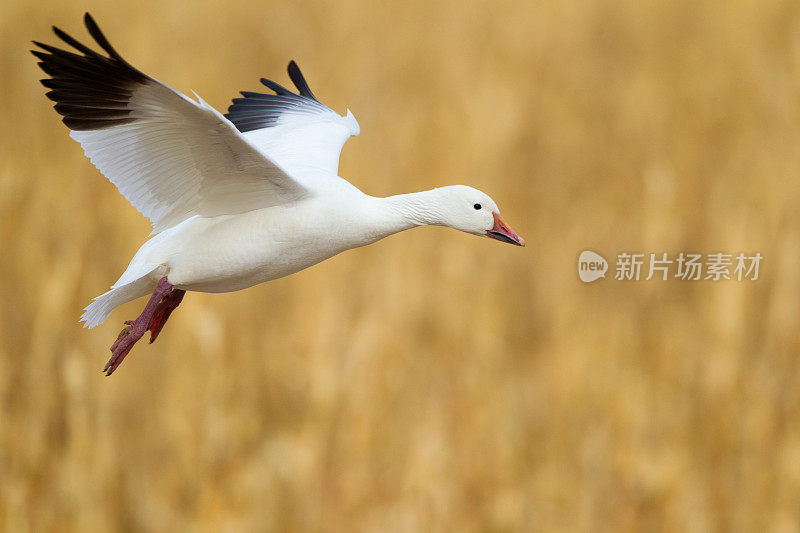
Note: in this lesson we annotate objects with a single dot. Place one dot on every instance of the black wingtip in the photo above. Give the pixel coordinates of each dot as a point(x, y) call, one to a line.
point(91, 91)
point(299, 80)
point(279, 89)
point(67, 38)
point(91, 25)
point(257, 111)
point(94, 31)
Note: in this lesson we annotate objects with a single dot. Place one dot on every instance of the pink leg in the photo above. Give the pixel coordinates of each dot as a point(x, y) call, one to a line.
point(168, 305)
point(164, 300)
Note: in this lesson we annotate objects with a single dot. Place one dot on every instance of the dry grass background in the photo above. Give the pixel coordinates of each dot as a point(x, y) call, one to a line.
point(433, 381)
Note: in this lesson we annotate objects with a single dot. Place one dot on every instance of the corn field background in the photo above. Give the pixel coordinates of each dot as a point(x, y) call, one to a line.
point(433, 381)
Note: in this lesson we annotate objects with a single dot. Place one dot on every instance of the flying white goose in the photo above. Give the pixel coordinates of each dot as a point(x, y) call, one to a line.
point(234, 200)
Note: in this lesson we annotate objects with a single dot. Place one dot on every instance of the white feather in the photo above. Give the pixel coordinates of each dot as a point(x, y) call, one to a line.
point(307, 140)
point(181, 158)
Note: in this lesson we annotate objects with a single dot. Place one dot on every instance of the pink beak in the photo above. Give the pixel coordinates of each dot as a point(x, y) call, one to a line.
point(503, 232)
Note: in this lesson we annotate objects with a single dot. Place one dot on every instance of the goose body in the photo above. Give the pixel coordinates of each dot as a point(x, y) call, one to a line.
point(236, 199)
point(232, 252)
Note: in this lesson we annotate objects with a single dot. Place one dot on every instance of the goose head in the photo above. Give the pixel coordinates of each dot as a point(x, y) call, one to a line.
point(467, 209)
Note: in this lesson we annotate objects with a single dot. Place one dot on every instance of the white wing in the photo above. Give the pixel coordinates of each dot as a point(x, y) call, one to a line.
point(295, 130)
point(170, 156)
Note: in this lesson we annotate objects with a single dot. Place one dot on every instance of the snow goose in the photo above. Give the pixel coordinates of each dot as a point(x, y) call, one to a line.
point(235, 200)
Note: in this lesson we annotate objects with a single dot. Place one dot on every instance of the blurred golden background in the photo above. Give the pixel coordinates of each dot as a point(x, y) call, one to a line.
point(433, 381)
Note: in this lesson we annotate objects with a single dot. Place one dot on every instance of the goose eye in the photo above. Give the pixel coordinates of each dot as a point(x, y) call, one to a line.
point(477, 206)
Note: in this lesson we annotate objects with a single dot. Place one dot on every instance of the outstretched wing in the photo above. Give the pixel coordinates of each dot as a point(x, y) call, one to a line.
point(294, 130)
point(171, 157)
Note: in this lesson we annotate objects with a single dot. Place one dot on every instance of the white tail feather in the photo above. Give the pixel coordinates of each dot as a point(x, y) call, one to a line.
point(97, 311)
